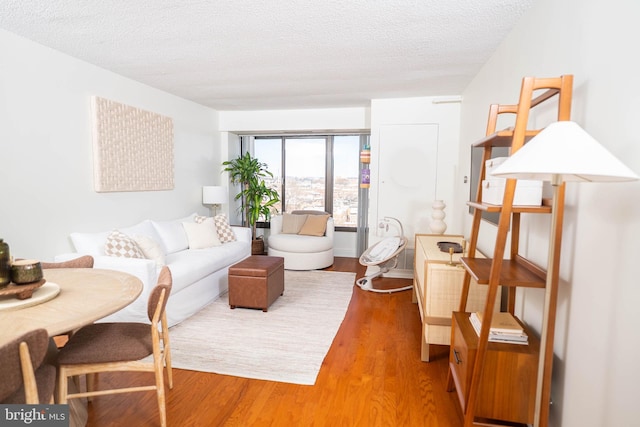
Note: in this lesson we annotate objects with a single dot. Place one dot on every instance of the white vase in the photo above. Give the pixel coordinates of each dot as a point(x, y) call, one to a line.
point(437, 224)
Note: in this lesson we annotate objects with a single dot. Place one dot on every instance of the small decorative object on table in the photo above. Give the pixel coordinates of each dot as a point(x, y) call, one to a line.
point(26, 277)
point(438, 226)
point(26, 271)
point(445, 246)
point(21, 291)
point(5, 264)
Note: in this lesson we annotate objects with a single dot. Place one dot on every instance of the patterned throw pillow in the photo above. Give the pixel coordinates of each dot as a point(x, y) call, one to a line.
point(199, 219)
point(120, 245)
point(225, 233)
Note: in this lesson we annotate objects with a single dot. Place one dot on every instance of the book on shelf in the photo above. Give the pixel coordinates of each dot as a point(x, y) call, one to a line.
point(514, 336)
point(503, 322)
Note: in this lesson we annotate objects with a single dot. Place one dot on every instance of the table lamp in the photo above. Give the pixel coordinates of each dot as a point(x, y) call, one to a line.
point(563, 151)
point(214, 196)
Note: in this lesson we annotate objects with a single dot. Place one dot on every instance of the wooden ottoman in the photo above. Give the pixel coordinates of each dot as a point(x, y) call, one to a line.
point(256, 282)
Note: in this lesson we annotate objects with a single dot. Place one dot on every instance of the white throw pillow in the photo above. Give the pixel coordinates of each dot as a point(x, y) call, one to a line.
point(119, 244)
point(150, 248)
point(201, 235)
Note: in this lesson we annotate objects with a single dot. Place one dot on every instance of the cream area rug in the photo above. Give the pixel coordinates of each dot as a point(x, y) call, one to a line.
point(287, 343)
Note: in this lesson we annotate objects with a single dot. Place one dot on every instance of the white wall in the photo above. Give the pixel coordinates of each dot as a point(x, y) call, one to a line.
point(597, 336)
point(46, 174)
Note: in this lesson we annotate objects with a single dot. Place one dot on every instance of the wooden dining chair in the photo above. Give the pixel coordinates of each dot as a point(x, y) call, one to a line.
point(27, 377)
point(84, 261)
point(112, 347)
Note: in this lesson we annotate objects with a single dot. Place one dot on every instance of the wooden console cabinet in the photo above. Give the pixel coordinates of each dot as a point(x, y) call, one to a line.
point(437, 285)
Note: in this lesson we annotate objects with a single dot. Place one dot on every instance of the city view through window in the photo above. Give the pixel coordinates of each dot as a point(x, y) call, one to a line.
point(300, 175)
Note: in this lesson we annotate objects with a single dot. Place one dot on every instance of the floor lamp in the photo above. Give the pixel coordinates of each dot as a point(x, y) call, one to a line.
point(214, 196)
point(561, 152)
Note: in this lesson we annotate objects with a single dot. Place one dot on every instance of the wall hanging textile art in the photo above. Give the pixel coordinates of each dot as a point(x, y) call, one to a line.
point(132, 148)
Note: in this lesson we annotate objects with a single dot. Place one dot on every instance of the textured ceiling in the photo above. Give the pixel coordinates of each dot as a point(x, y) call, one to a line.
point(253, 54)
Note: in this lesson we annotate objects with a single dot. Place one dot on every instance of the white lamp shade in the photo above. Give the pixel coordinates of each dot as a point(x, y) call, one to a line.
point(214, 195)
point(563, 149)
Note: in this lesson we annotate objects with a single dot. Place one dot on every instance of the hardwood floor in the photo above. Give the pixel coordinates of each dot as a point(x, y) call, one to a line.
point(372, 376)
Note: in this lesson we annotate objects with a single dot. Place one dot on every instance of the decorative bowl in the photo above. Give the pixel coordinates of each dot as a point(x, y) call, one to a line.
point(26, 271)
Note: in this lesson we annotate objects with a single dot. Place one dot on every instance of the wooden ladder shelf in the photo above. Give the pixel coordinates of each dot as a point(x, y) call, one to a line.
point(492, 399)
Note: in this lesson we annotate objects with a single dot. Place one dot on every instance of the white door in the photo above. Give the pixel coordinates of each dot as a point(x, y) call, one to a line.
point(407, 175)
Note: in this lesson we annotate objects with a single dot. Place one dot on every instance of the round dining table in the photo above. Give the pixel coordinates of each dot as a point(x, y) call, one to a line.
point(77, 297)
point(69, 299)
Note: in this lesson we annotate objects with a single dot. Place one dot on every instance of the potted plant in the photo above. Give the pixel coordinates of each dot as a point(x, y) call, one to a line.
point(257, 200)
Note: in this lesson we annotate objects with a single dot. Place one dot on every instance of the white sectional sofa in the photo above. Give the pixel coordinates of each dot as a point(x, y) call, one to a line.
point(199, 275)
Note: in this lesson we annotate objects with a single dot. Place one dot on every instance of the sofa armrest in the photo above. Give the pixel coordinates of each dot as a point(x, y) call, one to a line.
point(275, 226)
point(243, 234)
point(144, 269)
point(330, 228)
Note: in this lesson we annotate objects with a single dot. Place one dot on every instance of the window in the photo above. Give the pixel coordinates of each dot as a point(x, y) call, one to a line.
point(346, 172)
point(305, 169)
point(269, 151)
point(318, 172)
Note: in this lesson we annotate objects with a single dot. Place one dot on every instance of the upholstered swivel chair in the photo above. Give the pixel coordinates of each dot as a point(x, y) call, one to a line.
point(303, 238)
point(110, 347)
point(27, 377)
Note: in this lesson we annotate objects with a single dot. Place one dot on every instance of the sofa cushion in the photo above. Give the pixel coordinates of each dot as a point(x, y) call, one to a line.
point(315, 225)
point(201, 234)
point(89, 243)
point(173, 238)
point(119, 244)
point(292, 224)
point(93, 243)
point(143, 228)
point(191, 265)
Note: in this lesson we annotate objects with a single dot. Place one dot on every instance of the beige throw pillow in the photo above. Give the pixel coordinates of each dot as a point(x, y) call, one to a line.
point(315, 225)
point(201, 235)
point(292, 224)
point(150, 248)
